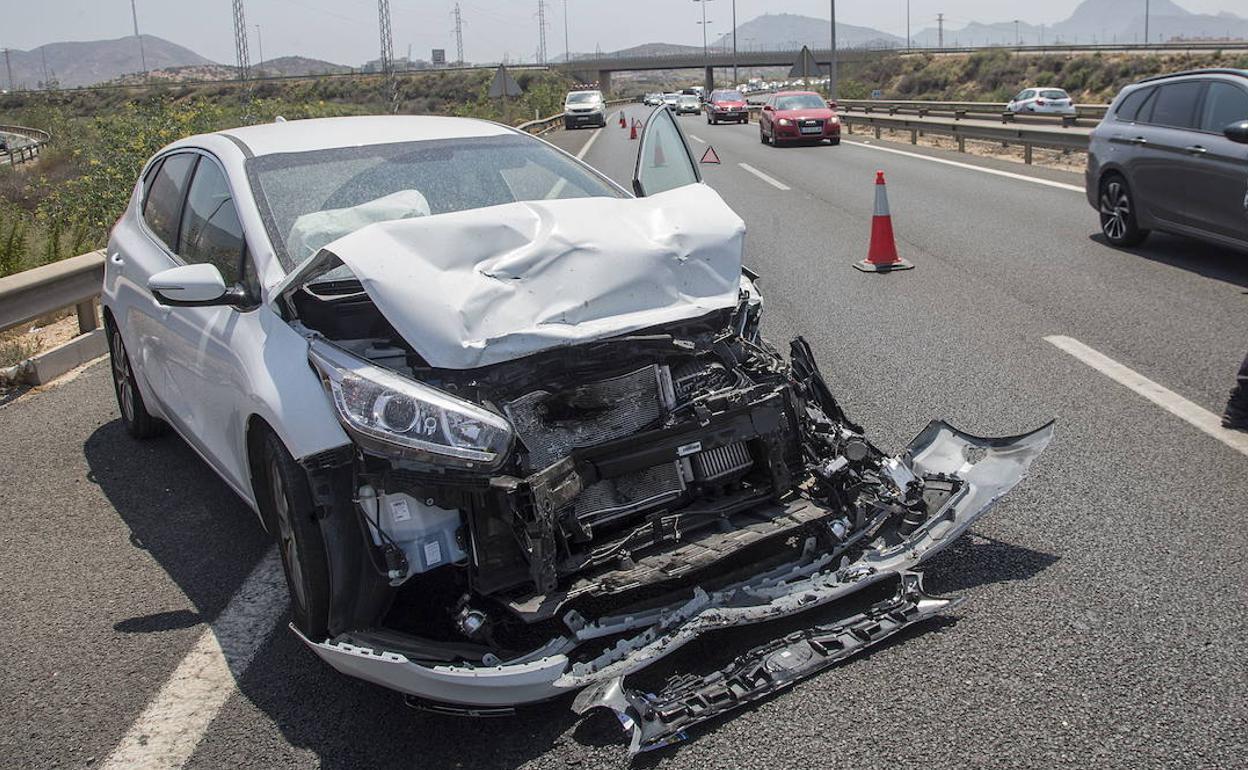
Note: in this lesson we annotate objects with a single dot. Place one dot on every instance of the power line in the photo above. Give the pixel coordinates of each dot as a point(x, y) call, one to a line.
point(8, 67)
point(940, 30)
point(240, 41)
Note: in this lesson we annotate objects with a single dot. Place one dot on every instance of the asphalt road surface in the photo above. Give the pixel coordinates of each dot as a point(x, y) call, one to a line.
point(1106, 595)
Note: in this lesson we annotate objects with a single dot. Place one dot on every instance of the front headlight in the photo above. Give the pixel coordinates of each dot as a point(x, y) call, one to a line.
point(395, 416)
point(785, 122)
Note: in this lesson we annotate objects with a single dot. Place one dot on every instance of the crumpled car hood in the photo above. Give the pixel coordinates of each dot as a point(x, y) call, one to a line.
point(473, 288)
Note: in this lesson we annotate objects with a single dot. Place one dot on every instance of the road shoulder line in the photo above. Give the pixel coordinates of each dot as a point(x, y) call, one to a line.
point(1193, 414)
point(175, 720)
point(969, 166)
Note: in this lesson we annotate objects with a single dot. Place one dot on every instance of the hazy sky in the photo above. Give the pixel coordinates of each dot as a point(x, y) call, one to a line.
point(345, 31)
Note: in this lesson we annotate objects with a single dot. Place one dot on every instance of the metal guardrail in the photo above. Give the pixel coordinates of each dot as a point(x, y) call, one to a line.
point(1027, 137)
point(28, 150)
point(74, 282)
point(1084, 113)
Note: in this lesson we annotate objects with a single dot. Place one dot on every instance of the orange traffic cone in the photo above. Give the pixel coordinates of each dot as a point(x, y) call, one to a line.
point(623, 122)
point(633, 134)
point(882, 253)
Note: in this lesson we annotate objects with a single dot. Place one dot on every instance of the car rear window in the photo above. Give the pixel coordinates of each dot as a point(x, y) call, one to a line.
point(1176, 104)
point(1054, 93)
point(163, 207)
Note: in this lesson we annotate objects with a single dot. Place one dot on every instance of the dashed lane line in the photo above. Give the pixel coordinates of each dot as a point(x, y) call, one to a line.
point(769, 180)
point(697, 139)
point(1167, 399)
point(970, 166)
point(176, 719)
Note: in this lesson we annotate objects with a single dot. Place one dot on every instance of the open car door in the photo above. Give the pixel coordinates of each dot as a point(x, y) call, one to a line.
point(664, 160)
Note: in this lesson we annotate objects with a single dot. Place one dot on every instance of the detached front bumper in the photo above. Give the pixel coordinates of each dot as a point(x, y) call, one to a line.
point(986, 468)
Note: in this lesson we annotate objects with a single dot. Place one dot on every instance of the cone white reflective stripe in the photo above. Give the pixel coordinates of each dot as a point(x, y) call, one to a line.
point(881, 196)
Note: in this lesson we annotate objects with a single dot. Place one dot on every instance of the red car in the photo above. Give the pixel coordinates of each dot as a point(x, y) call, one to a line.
point(727, 105)
point(798, 115)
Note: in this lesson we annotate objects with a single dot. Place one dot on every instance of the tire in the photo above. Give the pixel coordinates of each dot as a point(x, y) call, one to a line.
point(134, 415)
point(286, 503)
point(834, 142)
point(1117, 213)
point(567, 125)
point(762, 137)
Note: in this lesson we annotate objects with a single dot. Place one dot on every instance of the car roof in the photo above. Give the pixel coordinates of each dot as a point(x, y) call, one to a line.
point(1190, 73)
point(332, 133)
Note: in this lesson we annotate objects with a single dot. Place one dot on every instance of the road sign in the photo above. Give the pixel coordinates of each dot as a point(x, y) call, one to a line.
point(805, 66)
point(504, 84)
point(439, 57)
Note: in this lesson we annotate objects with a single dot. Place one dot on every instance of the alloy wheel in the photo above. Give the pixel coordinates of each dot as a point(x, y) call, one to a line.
point(1115, 210)
point(123, 379)
point(286, 534)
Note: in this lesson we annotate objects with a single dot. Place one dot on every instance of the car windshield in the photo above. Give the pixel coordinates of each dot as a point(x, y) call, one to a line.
point(581, 97)
point(729, 96)
point(801, 102)
point(1054, 93)
point(308, 199)
point(688, 97)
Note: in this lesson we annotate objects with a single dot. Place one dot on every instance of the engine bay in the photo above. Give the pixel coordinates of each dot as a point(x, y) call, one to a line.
point(643, 466)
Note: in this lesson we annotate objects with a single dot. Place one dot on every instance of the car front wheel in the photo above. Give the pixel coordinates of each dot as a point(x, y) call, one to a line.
point(762, 135)
point(286, 503)
point(134, 413)
point(1117, 210)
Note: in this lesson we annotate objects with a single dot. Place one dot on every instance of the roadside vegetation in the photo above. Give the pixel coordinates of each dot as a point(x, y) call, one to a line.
point(64, 204)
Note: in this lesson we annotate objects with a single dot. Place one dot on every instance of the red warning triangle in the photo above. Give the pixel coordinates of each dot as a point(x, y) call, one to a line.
point(710, 156)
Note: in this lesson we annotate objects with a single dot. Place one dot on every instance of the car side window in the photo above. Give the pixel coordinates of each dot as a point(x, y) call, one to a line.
point(1131, 103)
point(1025, 95)
point(1175, 105)
point(211, 231)
point(1225, 104)
point(162, 208)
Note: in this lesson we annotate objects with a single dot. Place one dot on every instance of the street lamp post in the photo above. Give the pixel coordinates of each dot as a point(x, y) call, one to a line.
point(735, 79)
point(567, 49)
point(706, 55)
point(832, 69)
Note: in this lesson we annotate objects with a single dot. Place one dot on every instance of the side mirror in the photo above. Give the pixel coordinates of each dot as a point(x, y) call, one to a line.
point(832, 104)
point(198, 285)
point(768, 108)
point(1237, 132)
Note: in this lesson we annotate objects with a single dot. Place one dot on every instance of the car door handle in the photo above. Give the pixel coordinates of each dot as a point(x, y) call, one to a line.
point(1196, 149)
point(1139, 140)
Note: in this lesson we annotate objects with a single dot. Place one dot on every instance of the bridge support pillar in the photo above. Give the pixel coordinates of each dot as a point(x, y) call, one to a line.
point(710, 80)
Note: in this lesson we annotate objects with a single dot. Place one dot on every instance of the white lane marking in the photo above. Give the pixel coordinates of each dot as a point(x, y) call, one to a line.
point(1167, 399)
point(769, 180)
point(589, 143)
point(697, 139)
point(970, 166)
point(175, 720)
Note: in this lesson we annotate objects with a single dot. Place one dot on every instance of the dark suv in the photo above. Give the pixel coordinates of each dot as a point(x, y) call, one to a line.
point(1170, 155)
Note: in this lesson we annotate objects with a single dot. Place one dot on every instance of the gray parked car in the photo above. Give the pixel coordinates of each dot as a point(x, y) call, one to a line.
point(1170, 155)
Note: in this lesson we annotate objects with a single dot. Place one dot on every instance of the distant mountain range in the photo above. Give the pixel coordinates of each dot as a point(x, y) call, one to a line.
point(97, 61)
point(1099, 21)
point(773, 31)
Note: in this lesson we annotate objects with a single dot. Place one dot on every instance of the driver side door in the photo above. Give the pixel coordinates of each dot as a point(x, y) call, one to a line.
point(664, 158)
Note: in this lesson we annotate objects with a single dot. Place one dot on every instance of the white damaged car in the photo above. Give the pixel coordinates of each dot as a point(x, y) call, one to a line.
point(513, 427)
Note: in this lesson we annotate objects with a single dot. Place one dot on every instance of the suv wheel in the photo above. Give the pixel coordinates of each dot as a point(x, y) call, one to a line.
point(1117, 209)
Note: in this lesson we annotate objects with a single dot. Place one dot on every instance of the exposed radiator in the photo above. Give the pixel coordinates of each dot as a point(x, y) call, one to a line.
point(613, 498)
